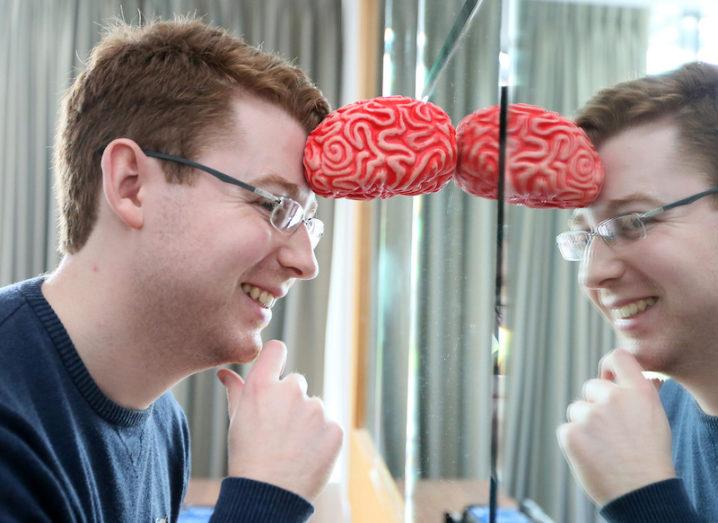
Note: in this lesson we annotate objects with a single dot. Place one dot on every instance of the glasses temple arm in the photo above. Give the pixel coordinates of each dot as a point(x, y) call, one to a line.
point(217, 174)
point(679, 203)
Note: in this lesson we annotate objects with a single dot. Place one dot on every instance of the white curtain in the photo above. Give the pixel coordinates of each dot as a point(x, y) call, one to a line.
point(42, 45)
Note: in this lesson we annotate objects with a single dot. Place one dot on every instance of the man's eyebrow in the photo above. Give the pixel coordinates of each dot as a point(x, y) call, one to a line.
point(269, 181)
point(616, 206)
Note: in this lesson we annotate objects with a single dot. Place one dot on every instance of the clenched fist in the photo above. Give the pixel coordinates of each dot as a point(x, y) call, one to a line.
point(617, 438)
point(277, 434)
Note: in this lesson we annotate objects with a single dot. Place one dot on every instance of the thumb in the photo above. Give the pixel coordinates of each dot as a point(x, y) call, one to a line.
point(656, 382)
point(234, 384)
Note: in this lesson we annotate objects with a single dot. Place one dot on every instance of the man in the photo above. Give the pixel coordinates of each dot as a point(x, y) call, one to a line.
point(648, 250)
point(184, 217)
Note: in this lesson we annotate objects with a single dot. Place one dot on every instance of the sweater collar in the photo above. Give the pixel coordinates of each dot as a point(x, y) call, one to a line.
point(75, 367)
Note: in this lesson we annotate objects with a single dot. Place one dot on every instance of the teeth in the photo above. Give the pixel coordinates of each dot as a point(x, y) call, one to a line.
point(262, 297)
point(634, 308)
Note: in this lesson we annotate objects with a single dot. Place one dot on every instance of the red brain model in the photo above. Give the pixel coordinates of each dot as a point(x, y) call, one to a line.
point(380, 148)
point(550, 161)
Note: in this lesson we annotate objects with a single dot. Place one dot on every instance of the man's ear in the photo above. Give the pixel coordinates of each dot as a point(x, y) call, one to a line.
point(123, 178)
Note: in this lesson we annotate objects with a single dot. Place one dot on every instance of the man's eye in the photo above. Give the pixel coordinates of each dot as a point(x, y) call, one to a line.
point(265, 204)
point(628, 227)
point(630, 222)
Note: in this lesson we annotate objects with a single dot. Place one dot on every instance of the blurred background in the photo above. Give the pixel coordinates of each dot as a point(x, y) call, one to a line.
point(396, 333)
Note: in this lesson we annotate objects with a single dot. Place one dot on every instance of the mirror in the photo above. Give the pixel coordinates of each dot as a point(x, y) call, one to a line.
point(428, 407)
point(429, 366)
point(563, 53)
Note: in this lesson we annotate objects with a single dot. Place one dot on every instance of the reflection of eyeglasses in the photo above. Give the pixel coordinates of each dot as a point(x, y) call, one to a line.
point(286, 214)
point(628, 227)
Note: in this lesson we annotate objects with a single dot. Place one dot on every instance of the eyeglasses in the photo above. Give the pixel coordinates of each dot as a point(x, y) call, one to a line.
point(628, 227)
point(286, 215)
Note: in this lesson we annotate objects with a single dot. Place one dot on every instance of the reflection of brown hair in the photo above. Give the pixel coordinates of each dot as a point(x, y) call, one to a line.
point(169, 87)
point(688, 96)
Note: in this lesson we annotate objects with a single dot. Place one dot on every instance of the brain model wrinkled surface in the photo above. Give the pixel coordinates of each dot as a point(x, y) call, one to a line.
point(380, 148)
point(550, 161)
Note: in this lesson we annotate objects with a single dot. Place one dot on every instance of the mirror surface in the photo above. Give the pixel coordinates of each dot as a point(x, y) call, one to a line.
point(562, 54)
point(428, 407)
point(428, 403)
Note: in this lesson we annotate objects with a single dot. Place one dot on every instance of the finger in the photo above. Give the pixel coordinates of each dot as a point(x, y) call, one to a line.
point(604, 373)
point(233, 384)
point(597, 391)
point(578, 411)
point(318, 403)
point(656, 382)
point(299, 380)
point(622, 367)
point(270, 362)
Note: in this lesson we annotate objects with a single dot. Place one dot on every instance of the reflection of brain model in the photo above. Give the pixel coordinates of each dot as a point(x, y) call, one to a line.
point(550, 161)
point(381, 147)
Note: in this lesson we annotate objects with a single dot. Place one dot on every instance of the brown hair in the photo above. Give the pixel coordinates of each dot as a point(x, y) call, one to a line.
point(688, 96)
point(169, 87)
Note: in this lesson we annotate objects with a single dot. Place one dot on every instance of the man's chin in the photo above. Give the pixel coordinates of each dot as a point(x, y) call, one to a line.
point(249, 356)
point(238, 347)
point(246, 350)
point(649, 356)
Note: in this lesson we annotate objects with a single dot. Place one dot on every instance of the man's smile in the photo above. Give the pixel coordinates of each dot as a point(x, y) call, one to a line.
point(632, 308)
point(264, 297)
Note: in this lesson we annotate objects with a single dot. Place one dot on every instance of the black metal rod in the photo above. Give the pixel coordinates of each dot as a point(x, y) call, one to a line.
point(498, 306)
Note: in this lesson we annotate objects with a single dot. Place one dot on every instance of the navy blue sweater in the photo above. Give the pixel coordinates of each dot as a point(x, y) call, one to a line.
point(69, 453)
point(692, 496)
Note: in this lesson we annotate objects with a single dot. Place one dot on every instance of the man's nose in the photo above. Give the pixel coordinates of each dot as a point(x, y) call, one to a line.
point(297, 254)
point(600, 265)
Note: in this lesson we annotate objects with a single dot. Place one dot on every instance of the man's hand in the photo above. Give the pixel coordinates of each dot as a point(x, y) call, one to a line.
point(277, 434)
point(617, 438)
